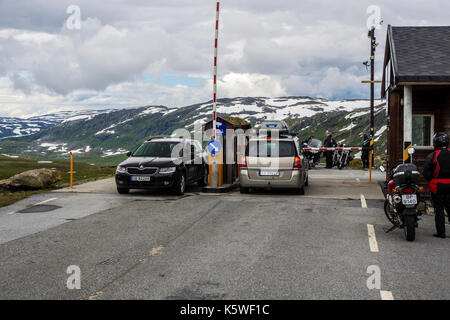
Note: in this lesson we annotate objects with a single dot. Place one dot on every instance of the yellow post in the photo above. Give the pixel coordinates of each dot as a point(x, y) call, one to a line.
point(71, 170)
point(370, 161)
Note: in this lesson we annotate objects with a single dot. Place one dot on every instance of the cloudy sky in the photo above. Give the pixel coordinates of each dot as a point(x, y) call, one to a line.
point(151, 52)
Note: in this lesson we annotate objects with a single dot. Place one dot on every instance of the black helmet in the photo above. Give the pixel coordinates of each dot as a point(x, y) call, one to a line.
point(440, 140)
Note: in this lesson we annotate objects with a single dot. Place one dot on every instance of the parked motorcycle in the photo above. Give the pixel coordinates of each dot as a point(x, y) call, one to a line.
point(336, 157)
point(313, 156)
point(344, 158)
point(403, 199)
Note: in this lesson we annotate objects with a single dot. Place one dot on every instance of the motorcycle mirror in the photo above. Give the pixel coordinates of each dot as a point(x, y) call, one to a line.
point(382, 169)
point(411, 151)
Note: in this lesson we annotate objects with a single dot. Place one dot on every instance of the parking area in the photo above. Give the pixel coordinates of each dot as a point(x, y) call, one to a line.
point(264, 245)
point(324, 183)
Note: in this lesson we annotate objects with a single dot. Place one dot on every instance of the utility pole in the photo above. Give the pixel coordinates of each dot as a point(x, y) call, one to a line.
point(373, 45)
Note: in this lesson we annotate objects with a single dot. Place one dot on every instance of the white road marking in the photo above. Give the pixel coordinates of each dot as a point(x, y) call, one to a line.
point(36, 204)
point(45, 201)
point(386, 295)
point(363, 202)
point(372, 238)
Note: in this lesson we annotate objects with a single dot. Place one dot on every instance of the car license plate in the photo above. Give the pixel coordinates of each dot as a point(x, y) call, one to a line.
point(409, 199)
point(140, 178)
point(270, 173)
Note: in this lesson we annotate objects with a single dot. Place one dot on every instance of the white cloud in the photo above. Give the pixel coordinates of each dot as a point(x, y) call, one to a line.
point(245, 84)
point(265, 48)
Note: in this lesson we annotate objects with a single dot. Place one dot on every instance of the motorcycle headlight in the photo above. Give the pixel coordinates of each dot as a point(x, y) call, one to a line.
point(167, 170)
point(121, 169)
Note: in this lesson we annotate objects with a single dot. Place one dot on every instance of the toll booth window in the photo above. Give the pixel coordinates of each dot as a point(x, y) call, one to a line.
point(422, 130)
point(266, 148)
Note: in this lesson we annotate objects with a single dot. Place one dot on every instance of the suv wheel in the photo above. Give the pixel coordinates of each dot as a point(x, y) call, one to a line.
point(123, 190)
point(180, 184)
point(244, 190)
point(300, 191)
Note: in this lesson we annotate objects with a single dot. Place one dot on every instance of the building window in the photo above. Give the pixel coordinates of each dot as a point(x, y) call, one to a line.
point(387, 76)
point(423, 130)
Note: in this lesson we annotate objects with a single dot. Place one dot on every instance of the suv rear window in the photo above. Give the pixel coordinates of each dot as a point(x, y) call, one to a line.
point(263, 148)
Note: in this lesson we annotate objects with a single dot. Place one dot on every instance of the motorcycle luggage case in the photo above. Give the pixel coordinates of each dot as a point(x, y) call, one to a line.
point(406, 174)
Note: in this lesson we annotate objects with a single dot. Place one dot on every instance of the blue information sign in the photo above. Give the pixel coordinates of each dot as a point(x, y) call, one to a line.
point(214, 147)
point(221, 128)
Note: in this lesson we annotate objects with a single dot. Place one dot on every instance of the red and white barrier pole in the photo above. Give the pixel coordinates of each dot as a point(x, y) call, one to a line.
point(334, 149)
point(214, 168)
point(216, 39)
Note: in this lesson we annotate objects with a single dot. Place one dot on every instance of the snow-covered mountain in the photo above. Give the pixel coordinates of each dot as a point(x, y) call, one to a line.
point(110, 132)
point(16, 127)
point(256, 109)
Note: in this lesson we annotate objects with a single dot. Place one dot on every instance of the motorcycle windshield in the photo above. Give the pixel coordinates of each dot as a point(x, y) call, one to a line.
point(314, 143)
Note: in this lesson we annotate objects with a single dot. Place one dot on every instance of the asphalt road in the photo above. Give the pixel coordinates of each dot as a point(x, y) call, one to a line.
point(268, 245)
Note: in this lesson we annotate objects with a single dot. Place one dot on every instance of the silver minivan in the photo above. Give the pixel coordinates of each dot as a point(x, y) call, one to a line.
point(273, 163)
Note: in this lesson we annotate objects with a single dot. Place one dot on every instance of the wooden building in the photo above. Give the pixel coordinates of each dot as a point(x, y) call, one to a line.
point(416, 86)
point(228, 172)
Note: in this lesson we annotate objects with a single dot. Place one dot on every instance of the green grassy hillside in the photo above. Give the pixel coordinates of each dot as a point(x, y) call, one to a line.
point(83, 171)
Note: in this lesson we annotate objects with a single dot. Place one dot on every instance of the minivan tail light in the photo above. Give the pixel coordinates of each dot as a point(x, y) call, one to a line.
point(243, 163)
point(297, 163)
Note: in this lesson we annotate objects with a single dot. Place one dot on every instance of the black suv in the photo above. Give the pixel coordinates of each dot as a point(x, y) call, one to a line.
point(163, 163)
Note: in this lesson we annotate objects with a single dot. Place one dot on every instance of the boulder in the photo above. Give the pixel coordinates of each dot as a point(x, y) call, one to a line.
point(4, 184)
point(32, 179)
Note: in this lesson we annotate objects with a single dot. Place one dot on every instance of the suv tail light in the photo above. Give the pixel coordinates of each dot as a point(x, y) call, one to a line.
point(243, 163)
point(297, 163)
point(408, 190)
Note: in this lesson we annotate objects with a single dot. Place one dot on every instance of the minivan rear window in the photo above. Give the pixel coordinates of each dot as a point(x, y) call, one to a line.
point(264, 148)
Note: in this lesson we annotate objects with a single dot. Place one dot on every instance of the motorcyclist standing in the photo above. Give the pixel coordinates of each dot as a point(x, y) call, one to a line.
point(329, 143)
point(308, 140)
point(437, 173)
point(365, 151)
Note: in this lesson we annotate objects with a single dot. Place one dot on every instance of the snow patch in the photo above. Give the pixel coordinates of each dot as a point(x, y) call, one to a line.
point(109, 153)
point(380, 132)
point(351, 126)
point(9, 156)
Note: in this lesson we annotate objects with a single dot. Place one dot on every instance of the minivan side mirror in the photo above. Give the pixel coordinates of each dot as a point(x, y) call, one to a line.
point(129, 153)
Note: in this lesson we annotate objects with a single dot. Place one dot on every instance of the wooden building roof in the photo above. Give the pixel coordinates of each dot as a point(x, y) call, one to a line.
point(418, 55)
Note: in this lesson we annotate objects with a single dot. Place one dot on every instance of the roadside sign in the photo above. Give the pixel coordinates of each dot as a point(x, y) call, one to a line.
point(214, 147)
point(221, 128)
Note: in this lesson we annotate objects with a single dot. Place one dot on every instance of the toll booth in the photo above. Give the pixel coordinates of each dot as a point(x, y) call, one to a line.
point(228, 172)
point(416, 86)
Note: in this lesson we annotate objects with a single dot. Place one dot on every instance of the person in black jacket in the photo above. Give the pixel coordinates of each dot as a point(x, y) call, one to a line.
point(308, 140)
point(437, 173)
point(365, 151)
point(329, 143)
